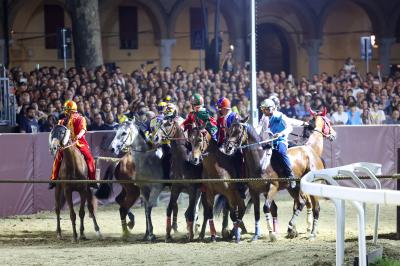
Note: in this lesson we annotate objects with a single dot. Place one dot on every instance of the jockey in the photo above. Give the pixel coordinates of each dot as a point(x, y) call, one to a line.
point(280, 126)
point(155, 121)
point(225, 118)
point(76, 123)
point(200, 117)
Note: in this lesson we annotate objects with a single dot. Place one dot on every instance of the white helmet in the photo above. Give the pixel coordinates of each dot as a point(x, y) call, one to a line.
point(267, 103)
point(276, 101)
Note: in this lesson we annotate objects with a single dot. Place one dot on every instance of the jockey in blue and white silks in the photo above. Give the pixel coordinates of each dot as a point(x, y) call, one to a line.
point(280, 126)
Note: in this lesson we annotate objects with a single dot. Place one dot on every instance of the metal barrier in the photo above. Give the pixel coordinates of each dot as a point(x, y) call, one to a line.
point(7, 101)
point(358, 197)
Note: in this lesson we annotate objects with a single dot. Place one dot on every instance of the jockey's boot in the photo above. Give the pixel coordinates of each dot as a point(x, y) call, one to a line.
point(51, 185)
point(94, 185)
point(292, 181)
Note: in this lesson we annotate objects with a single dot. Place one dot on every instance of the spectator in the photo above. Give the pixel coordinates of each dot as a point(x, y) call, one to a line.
point(48, 124)
point(110, 123)
point(97, 124)
point(366, 117)
point(29, 122)
point(354, 116)
point(377, 115)
point(394, 118)
point(340, 117)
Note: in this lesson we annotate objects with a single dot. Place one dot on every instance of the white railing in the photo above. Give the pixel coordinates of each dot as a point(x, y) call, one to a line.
point(358, 196)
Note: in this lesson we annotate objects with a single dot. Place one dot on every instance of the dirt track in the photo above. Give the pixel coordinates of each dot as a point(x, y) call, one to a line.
point(31, 240)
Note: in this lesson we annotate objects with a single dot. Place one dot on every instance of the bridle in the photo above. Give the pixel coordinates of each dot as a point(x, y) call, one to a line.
point(241, 139)
point(204, 140)
point(326, 124)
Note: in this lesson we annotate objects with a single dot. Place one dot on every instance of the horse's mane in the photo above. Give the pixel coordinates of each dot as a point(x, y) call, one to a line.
point(252, 133)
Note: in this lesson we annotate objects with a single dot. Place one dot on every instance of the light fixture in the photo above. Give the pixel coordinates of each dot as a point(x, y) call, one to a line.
point(373, 41)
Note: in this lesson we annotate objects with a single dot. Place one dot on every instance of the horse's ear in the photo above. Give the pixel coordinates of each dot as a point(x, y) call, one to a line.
point(244, 120)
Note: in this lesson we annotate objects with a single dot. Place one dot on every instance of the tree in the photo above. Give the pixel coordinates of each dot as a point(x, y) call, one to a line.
point(86, 32)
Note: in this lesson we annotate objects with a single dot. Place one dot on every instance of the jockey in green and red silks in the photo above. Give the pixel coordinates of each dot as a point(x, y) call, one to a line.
point(200, 117)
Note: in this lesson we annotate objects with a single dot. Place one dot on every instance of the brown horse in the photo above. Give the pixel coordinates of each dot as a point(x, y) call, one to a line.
point(181, 169)
point(303, 158)
point(216, 165)
point(73, 167)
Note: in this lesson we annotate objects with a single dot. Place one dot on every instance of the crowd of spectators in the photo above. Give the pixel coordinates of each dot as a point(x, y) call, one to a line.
point(107, 98)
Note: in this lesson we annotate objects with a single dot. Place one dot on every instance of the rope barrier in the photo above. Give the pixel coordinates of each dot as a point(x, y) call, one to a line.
point(108, 159)
point(174, 181)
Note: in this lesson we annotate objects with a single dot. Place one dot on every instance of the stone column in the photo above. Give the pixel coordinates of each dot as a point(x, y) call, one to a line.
point(2, 52)
point(312, 47)
point(385, 45)
point(166, 52)
point(86, 32)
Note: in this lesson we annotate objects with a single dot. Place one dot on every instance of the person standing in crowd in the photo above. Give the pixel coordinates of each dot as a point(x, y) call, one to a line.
point(29, 123)
point(354, 116)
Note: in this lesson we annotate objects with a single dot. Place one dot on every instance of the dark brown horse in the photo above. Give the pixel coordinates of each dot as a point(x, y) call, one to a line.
point(73, 167)
point(181, 169)
point(303, 158)
point(216, 165)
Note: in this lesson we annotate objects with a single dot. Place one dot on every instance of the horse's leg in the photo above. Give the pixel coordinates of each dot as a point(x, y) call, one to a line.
point(269, 198)
point(237, 211)
point(146, 194)
point(274, 213)
point(123, 211)
point(309, 218)
point(154, 193)
point(297, 208)
point(133, 193)
point(190, 212)
point(209, 213)
point(72, 215)
point(175, 191)
point(256, 201)
point(91, 202)
point(197, 209)
point(58, 208)
point(203, 199)
point(175, 218)
point(225, 215)
point(82, 215)
point(316, 209)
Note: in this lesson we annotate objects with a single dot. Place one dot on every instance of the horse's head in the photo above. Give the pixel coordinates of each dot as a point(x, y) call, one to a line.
point(199, 139)
point(322, 124)
point(235, 137)
point(124, 137)
point(166, 129)
point(58, 137)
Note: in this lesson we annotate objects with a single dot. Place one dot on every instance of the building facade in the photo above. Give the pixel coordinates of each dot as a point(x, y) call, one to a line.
point(301, 37)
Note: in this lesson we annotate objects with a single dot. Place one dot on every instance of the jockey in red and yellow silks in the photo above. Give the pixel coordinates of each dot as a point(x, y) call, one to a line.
point(76, 123)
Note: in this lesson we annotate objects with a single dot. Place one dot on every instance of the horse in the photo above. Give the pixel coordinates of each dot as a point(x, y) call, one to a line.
point(138, 162)
point(303, 158)
point(73, 167)
point(181, 169)
point(216, 165)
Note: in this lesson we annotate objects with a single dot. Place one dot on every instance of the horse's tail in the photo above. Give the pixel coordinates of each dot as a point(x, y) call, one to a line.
point(105, 190)
point(219, 205)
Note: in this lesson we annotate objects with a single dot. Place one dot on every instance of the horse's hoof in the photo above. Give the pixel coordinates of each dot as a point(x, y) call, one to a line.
point(82, 237)
point(99, 235)
point(151, 238)
point(125, 235)
point(292, 233)
point(74, 241)
point(175, 228)
point(196, 228)
point(131, 224)
point(201, 237)
point(226, 234)
point(312, 237)
point(168, 239)
point(213, 239)
point(273, 237)
point(255, 238)
point(59, 237)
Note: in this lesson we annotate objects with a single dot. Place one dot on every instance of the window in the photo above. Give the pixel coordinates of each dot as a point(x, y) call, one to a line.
point(197, 31)
point(128, 27)
point(53, 21)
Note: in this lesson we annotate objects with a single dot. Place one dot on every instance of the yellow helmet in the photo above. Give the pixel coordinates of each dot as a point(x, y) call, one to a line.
point(170, 110)
point(161, 107)
point(70, 106)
